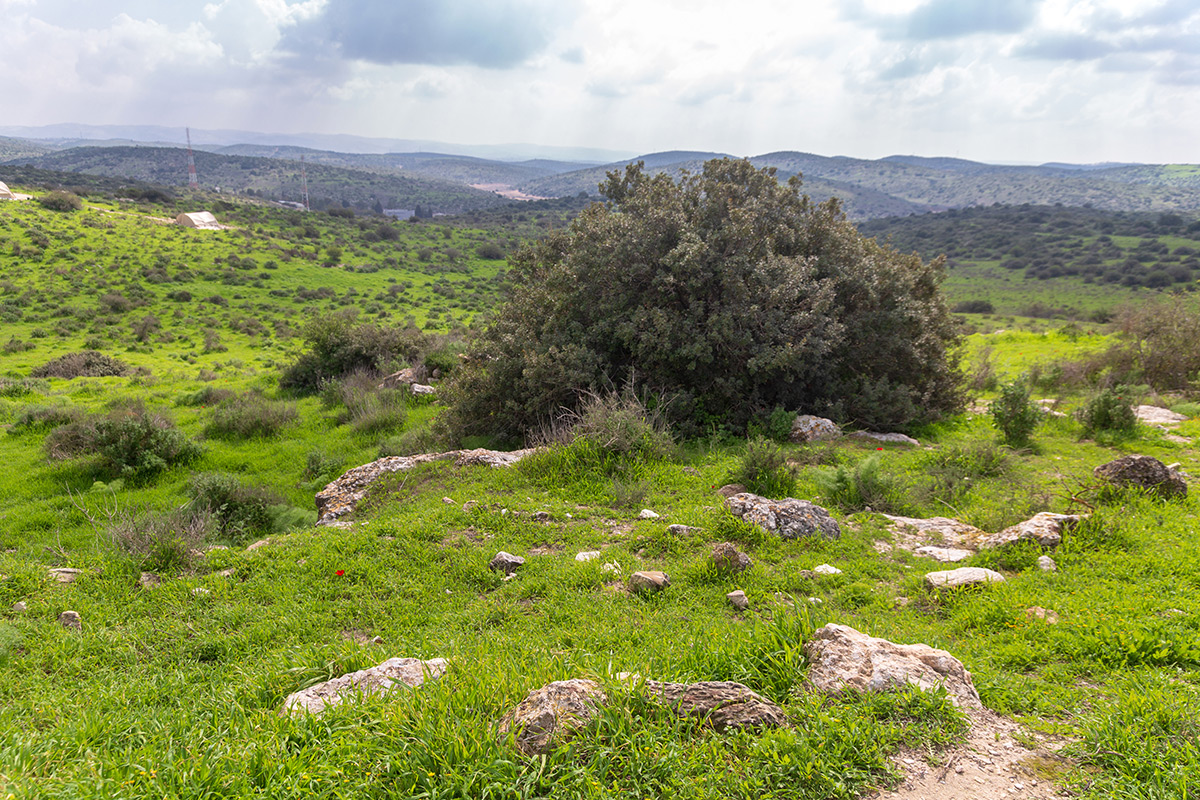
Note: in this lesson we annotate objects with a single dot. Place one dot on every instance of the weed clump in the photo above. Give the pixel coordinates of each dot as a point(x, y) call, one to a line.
point(240, 510)
point(1110, 412)
point(161, 541)
point(339, 346)
point(861, 487)
point(250, 416)
point(764, 470)
point(59, 200)
point(1014, 414)
point(85, 364)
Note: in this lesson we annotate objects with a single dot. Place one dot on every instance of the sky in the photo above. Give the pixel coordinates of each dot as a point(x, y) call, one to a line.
point(1003, 81)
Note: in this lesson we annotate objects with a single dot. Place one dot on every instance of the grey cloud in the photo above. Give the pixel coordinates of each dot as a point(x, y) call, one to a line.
point(1171, 12)
point(945, 19)
point(1065, 48)
point(496, 34)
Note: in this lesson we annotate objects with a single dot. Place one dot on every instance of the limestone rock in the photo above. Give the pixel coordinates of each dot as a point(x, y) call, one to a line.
point(963, 576)
point(826, 569)
point(505, 562)
point(547, 716)
point(723, 704)
point(1162, 417)
point(1037, 612)
point(909, 533)
point(541, 516)
point(682, 530)
point(648, 582)
point(646, 513)
point(405, 377)
point(1143, 472)
point(70, 619)
point(1046, 564)
point(738, 600)
point(19, 607)
point(422, 389)
point(790, 518)
point(807, 428)
point(886, 438)
point(946, 555)
point(340, 497)
point(65, 574)
point(730, 489)
point(1046, 529)
point(149, 580)
point(726, 557)
point(258, 544)
point(378, 680)
point(587, 555)
point(842, 658)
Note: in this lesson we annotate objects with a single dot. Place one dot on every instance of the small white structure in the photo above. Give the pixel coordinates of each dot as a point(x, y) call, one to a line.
point(202, 220)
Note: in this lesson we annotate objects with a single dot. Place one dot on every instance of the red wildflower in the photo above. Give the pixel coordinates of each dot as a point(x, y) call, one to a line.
point(340, 572)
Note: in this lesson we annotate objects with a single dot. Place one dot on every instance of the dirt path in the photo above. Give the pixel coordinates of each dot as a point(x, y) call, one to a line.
point(991, 764)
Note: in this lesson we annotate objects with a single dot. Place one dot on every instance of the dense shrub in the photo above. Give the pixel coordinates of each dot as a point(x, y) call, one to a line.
point(19, 387)
point(129, 443)
point(250, 416)
point(1108, 411)
point(339, 345)
point(85, 364)
point(241, 510)
point(490, 251)
point(61, 201)
point(1014, 414)
point(861, 487)
point(728, 295)
point(764, 470)
point(974, 307)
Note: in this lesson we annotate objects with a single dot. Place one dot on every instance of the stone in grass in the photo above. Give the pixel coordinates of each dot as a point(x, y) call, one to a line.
point(841, 658)
point(807, 428)
point(587, 555)
point(730, 489)
point(789, 518)
point(378, 680)
point(724, 705)
point(946, 555)
point(963, 576)
point(505, 562)
point(1044, 614)
point(19, 607)
point(65, 574)
point(648, 582)
point(1046, 564)
point(549, 715)
point(728, 559)
point(149, 580)
point(1143, 472)
point(71, 620)
point(1046, 528)
point(646, 513)
point(682, 530)
point(738, 600)
point(826, 569)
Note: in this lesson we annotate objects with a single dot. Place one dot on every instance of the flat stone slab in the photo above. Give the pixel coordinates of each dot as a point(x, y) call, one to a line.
point(886, 438)
point(963, 576)
point(64, 574)
point(1046, 528)
point(789, 518)
point(841, 658)
point(549, 715)
point(648, 582)
point(946, 555)
point(910, 533)
point(340, 497)
point(1162, 417)
point(379, 680)
point(724, 705)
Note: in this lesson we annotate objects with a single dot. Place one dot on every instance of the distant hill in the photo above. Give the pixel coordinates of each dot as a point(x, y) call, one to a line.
point(20, 148)
point(269, 178)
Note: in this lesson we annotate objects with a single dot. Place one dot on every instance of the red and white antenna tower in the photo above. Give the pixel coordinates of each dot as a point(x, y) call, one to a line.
point(191, 160)
point(304, 182)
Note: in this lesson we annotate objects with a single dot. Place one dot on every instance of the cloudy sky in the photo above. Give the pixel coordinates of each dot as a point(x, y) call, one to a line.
point(992, 80)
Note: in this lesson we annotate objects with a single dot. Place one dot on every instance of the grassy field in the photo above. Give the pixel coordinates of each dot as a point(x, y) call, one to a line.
point(175, 690)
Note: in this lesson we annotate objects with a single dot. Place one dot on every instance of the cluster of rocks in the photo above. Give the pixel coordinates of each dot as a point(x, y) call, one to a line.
point(839, 659)
point(807, 428)
point(341, 496)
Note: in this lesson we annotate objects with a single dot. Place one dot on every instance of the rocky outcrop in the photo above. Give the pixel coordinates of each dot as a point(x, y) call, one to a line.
point(842, 658)
point(963, 576)
point(910, 533)
point(946, 555)
point(1046, 529)
point(1159, 417)
point(340, 497)
point(380, 680)
point(1142, 472)
point(405, 377)
point(547, 716)
point(724, 705)
point(807, 428)
point(886, 438)
point(789, 518)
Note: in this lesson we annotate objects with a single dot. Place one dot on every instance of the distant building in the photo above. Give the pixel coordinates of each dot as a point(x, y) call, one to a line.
point(203, 220)
point(400, 213)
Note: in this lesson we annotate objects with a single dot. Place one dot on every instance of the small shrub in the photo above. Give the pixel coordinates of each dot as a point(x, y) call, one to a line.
point(861, 487)
point(129, 443)
point(34, 419)
point(1110, 412)
point(974, 307)
point(339, 346)
point(617, 423)
point(160, 541)
point(85, 364)
point(208, 396)
point(241, 511)
point(61, 201)
point(764, 470)
point(1014, 414)
point(320, 465)
point(490, 251)
point(776, 426)
point(19, 387)
point(250, 416)
point(628, 494)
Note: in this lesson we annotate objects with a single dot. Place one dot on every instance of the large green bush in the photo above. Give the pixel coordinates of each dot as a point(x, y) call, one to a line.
point(726, 295)
point(128, 443)
point(338, 345)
